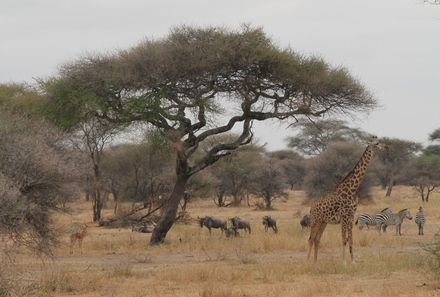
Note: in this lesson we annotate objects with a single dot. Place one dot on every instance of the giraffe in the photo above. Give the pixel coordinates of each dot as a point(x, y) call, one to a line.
point(340, 206)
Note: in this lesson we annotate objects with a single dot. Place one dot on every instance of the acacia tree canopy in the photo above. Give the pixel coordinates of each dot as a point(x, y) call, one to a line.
point(200, 82)
point(314, 137)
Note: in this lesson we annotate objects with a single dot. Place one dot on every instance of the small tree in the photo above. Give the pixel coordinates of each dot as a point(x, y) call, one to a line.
point(235, 173)
point(138, 172)
point(399, 152)
point(423, 173)
point(326, 170)
point(70, 110)
point(37, 172)
point(269, 181)
point(292, 165)
point(181, 84)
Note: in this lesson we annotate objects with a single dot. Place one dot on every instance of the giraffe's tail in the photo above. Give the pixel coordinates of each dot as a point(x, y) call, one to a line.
point(356, 221)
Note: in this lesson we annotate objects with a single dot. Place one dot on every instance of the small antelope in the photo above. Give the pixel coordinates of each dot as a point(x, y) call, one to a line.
point(79, 232)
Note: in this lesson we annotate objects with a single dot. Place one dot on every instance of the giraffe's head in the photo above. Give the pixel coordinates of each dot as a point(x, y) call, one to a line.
point(375, 143)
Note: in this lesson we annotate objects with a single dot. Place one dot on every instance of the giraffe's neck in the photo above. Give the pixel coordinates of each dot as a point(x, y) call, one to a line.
point(351, 182)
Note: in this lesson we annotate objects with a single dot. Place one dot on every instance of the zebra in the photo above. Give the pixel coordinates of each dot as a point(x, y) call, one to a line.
point(420, 220)
point(365, 219)
point(305, 222)
point(269, 222)
point(212, 222)
point(241, 224)
point(385, 210)
point(387, 219)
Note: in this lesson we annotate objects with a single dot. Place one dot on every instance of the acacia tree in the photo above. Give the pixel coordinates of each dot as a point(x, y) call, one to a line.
point(73, 111)
point(423, 173)
point(393, 159)
point(234, 174)
point(433, 149)
point(292, 165)
point(327, 169)
point(269, 181)
point(138, 172)
point(197, 83)
point(314, 137)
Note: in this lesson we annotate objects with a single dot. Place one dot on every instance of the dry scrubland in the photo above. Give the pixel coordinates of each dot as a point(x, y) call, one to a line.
point(117, 262)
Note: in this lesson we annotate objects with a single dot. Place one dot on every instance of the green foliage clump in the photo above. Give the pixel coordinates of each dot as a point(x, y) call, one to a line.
point(21, 98)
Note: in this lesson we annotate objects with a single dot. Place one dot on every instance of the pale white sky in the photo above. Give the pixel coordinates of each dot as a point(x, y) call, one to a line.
point(393, 47)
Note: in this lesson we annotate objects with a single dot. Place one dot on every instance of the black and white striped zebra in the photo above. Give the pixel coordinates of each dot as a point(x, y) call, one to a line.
point(387, 219)
point(365, 219)
point(420, 220)
point(386, 210)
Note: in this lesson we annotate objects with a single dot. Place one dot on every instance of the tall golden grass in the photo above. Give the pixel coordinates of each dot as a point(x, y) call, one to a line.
point(118, 262)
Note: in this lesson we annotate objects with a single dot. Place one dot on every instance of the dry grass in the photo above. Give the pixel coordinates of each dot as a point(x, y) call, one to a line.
point(117, 262)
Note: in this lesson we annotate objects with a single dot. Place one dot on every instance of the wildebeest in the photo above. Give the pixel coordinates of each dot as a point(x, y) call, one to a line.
point(269, 222)
point(241, 224)
point(305, 221)
point(213, 222)
point(232, 232)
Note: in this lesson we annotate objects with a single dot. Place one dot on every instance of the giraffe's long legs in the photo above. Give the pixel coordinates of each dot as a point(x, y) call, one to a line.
point(318, 239)
point(72, 242)
point(314, 228)
point(344, 240)
point(350, 241)
point(80, 244)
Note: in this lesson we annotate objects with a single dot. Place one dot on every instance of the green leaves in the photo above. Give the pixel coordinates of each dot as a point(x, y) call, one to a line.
point(66, 106)
point(21, 98)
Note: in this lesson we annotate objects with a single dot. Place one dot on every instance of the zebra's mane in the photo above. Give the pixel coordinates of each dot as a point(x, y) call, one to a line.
point(384, 209)
point(403, 210)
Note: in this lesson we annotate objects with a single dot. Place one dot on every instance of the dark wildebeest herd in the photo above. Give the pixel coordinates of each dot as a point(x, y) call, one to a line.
point(236, 224)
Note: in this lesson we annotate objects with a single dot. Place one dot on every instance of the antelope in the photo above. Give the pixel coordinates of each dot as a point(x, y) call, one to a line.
point(78, 234)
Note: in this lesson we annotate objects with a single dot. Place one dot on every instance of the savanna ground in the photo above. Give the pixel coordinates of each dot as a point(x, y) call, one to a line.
point(118, 262)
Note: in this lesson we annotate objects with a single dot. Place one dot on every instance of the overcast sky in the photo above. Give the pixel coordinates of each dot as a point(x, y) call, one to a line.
point(392, 47)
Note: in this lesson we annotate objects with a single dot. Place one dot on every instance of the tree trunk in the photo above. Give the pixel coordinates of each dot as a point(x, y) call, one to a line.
point(429, 190)
point(390, 187)
point(169, 213)
point(97, 205)
point(115, 198)
point(220, 199)
point(268, 201)
point(236, 199)
point(87, 188)
point(97, 199)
